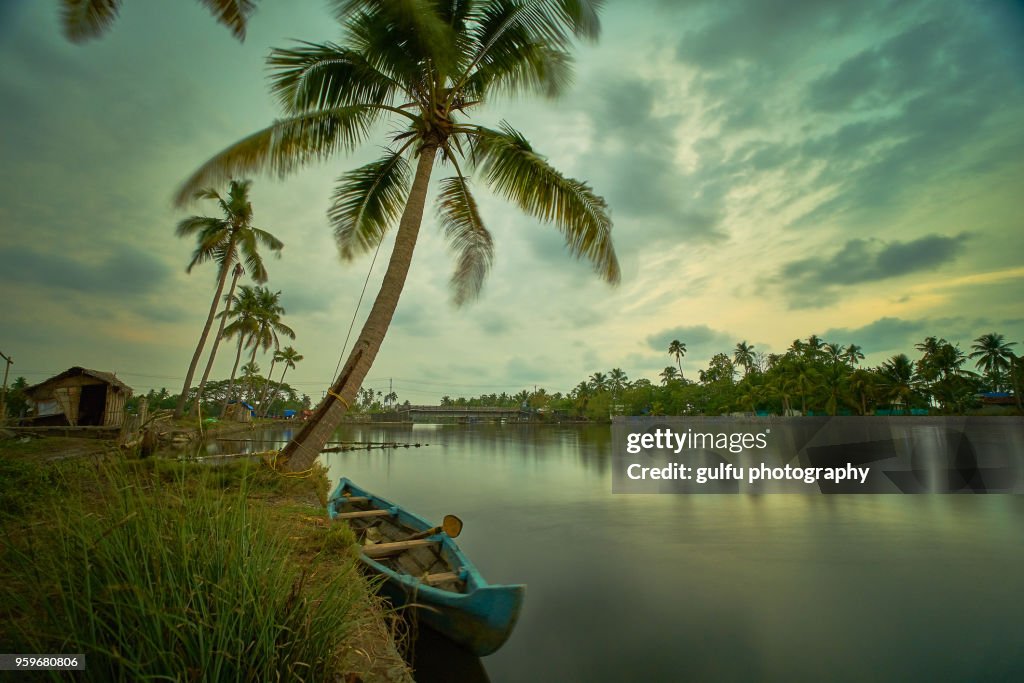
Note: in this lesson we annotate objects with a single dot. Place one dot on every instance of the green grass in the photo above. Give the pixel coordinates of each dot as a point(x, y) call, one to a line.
point(159, 570)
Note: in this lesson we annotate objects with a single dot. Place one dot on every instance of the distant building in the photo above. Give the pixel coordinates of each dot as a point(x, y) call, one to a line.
point(79, 397)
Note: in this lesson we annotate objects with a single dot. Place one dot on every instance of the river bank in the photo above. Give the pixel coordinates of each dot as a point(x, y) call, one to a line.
point(136, 519)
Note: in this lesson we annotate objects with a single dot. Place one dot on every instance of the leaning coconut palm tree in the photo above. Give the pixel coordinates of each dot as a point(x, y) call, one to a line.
point(223, 315)
point(425, 66)
point(221, 240)
point(85, 19)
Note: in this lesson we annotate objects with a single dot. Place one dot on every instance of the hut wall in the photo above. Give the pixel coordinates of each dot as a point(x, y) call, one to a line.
point(113, 415)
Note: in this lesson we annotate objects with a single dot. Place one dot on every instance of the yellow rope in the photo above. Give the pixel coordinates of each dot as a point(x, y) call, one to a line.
point(305, 473)
point(339, 397)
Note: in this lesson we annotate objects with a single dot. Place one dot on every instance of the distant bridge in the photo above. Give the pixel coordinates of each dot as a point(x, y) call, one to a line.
point(457, 413)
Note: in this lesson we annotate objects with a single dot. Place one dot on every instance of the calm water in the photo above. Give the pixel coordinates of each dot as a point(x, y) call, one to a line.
point(713, 587)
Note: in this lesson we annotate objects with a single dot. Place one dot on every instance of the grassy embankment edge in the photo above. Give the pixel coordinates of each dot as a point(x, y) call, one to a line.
point(157, 567)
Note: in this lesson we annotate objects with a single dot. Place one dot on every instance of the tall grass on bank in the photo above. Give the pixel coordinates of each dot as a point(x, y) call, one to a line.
point(175, 581)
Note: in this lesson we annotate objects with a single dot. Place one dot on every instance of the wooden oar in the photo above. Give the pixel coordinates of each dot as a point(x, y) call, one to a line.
point(450, 525)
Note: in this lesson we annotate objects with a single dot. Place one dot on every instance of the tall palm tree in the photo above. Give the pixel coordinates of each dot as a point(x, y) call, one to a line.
point(267, 325)
point(424, 65)
point(833, 352)
point(678, 349)
point(617, 380)
point(85, 19)
point(257, 324)
point(266, 386)
point(250, 371)
point(994, 356)
point(288, 356)
point(853, 354)
point(744, 355)
point(221, 240)
point(243, 310)
point(599, 382)
point(813, 347)
point(223, 315)
point(899, 380)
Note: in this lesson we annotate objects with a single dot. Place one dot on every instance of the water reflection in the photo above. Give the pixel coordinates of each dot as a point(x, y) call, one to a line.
point(714, 587)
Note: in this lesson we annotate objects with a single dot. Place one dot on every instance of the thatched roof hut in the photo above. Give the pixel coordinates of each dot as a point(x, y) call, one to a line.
point(79, 397)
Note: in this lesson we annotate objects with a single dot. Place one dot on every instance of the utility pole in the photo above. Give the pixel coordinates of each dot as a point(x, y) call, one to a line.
point(3, 393)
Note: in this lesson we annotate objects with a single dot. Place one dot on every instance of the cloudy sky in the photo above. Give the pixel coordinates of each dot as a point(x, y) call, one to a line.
point(775, 168)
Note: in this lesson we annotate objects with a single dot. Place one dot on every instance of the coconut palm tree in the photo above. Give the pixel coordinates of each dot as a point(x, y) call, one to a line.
point(267, 325)
point(994, 356)
point(242, 310)
point(221, 240)
point(832, 352)
point(424, 66)
point(599, 382)
point(223, 315)
point(617, 380)
point(85, 19)
point(744, 355)
point(250, 371)
point(678, 349)
point(899, 381)
point(813, 347)
point(288, 356)
point(668, 375)
point(256, 323)
point(853, 354)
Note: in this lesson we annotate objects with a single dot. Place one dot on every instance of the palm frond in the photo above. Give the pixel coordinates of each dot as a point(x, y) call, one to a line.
point(284, 146)
point(515, 65)
point(231, 13)
point(524, 43)
point(198, 224)
point(267, 240)
point(584, 16)
point(514, 170)
point(367, 202)
point(251, 255)
point(465, 232)
point(85, 19)
point(322, 75)
point(416, 25)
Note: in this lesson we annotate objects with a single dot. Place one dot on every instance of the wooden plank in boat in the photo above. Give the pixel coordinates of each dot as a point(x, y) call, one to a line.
point(434, 579)
point(363, 513)
point(385, 549)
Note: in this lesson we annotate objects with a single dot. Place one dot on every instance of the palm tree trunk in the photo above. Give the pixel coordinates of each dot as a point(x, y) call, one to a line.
point(303, 450)
point(250, 390)
point(280, 383)
point(266, 389)
point(216, 340)
point(231, 382)
point(179, 410)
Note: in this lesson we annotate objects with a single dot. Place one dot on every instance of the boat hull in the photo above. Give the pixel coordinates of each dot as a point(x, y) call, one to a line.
point(479, 618)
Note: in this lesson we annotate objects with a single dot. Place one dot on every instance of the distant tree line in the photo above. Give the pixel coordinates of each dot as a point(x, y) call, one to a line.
point(812, 377)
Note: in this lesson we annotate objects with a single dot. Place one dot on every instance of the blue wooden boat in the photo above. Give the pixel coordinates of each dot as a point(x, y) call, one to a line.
point(425, 570)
